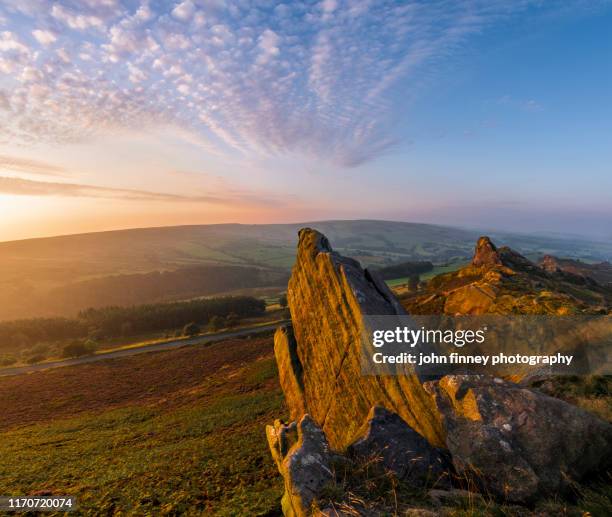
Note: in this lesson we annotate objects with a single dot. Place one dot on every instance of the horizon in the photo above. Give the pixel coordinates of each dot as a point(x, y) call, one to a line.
point(135, 114)
point(484, 231)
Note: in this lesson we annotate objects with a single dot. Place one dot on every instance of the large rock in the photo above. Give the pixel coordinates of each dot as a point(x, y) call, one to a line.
point(519, 444)
point(302, 455)
point(329, 295)
point(390, 442)
point(486, 253)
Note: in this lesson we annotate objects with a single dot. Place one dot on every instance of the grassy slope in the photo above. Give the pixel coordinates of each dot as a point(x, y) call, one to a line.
point(163, 433)
point(175, 433)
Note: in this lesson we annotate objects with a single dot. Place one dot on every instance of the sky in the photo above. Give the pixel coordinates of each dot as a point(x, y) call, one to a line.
point(476, 113)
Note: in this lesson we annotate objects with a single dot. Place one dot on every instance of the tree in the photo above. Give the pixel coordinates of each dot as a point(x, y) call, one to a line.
point(7, 360)
point(76, 349)
point(127, 328)
point(413, 282)
point(232, 320)
point(282, 301)
point(191, 329)
point(215, 323)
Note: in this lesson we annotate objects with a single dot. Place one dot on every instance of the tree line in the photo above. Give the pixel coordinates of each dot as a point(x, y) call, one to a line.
point(405, 269)
point(183, 283)
point(115, 321)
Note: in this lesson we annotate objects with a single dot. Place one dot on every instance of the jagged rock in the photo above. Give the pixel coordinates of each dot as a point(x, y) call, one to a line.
point(518, 443)
point(329, 295)
point(398, 448)
point(550, 264)
point(302, 455)
point(486, 253)
point(502, 281)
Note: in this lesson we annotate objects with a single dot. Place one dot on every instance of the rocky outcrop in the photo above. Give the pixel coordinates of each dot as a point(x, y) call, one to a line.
point(329, 295)
point(502, 281)
point(390, 442)
point(517, 443)
point(486, 254)
point(302, 455)
point(550, 264)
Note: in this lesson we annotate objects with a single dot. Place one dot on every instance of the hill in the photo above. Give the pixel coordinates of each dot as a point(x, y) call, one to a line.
point(600, 272)
point(59, 275)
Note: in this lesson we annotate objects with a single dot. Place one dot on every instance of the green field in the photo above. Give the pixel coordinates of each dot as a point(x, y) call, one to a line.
point(144, 460)
point(190, 446)
point(437, 270)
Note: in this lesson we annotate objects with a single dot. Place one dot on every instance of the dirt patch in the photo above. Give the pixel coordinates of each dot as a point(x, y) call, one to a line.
point(170, 377)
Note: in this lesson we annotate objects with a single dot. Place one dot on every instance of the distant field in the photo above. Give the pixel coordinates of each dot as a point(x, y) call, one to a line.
point(59, 275)
point(159, 434)
point(437, 270)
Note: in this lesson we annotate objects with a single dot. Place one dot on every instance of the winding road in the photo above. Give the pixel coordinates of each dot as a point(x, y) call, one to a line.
point(154, 347)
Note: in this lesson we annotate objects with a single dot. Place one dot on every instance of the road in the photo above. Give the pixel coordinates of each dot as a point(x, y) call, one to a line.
point(155, 347)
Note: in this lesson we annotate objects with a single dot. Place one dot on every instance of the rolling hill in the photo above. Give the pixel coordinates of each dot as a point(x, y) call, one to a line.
point(37, 276)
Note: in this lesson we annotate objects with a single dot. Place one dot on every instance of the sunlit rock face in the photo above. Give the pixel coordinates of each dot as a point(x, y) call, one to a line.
point(319, 366)
point(517, 443)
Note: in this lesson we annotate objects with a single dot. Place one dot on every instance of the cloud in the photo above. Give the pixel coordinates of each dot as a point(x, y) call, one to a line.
point(25, 187)
point(30, 166)
point(183, 11)
point(325, 79)
point(10, 42)
point(74, 20)
point(43, 37)
point(268, 44)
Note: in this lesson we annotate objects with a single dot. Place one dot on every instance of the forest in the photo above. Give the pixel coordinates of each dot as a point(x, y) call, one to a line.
point(33, 337)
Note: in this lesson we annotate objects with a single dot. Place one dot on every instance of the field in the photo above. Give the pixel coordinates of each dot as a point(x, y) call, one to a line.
point(181, 432)
point(55, 275)
point(161, 433)
point(437, 270)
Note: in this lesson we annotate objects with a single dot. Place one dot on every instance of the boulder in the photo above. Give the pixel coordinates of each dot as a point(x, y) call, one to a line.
point(486, 253)
point(517, 443)
point(388, 440)
point(329, 296)
point(302, 455)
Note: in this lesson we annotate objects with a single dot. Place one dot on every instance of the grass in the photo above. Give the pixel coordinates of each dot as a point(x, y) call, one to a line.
point(437, 270)
point(142, 460)
point(191, 445)
point(445, 268)
point(181, 432)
